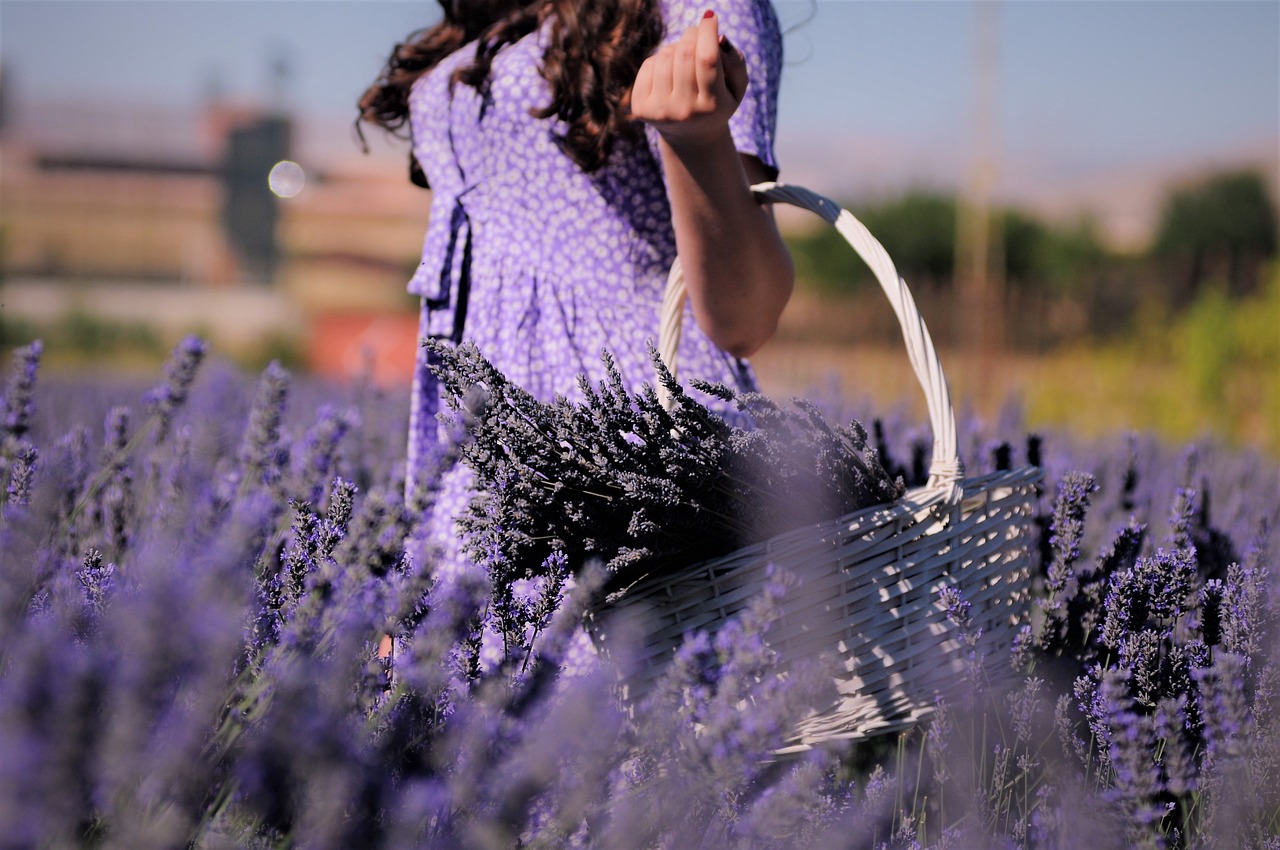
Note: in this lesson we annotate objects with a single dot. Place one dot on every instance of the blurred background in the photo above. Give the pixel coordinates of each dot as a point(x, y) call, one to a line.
point(1082, 196)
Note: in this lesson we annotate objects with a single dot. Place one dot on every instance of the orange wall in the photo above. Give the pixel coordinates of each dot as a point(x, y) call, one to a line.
point(347, 345)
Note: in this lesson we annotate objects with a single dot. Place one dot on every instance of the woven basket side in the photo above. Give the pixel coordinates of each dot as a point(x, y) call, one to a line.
point(875, 612)
point(894, 677)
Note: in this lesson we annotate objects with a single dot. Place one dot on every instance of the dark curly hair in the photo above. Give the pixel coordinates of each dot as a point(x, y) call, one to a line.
point(595, 49)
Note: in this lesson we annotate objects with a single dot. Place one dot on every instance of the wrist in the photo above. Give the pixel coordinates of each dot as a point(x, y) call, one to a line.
point(698, 148)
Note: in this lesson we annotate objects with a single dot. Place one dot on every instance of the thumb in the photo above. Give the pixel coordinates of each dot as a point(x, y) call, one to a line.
point(735, 68)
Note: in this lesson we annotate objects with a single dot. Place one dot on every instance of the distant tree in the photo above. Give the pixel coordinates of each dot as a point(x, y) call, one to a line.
point(917, 229)
point(1023, 239)
point(919, 232)
point(1055, 258)
point(1221, 228)
point(824, 262)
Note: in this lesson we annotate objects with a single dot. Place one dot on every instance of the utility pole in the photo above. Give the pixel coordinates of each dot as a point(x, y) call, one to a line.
point(980, 265)
point(279, 73)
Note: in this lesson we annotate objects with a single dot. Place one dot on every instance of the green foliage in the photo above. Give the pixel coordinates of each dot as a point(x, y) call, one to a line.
point(1258, 318)
point(1208, 345)
point(84, 335)
point(918, 230)
point(279, 347)
point(1061, 259)
point(1222, 228)
point(1219, 227)
point(81, 337)
point(16, 332)
point(1220, 341)
point(94, 335)
point(1208, 368)
point(824, 262)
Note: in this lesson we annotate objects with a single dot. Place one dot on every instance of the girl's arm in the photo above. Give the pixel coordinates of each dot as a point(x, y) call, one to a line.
point(736, 267)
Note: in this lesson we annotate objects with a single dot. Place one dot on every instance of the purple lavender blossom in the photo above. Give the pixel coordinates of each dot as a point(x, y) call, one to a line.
point(938, 737)
point(164, 400)
point(262, 456)
point(1224, 704)
point(128, 716)
point(1175, 757)
point(1247, 612)
point(1065, 540)
point(316, 461)
point(1066, 728)
point(19, 392)
point(97, 579)
point(1210, 610)
point(22, 470)
point(1026, 703)
point(960, 612)
point(18, 454)
point(1182, 518)
point(1130, 750)
point(115, 496)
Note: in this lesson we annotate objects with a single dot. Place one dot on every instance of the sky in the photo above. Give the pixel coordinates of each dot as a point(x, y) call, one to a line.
point(1092, 97)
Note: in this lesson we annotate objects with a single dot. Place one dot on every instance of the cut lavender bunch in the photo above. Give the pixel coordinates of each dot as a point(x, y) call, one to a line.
point(619, 478)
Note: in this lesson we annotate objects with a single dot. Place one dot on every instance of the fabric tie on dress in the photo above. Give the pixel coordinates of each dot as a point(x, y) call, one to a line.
point(443, 280)
point(444, 277)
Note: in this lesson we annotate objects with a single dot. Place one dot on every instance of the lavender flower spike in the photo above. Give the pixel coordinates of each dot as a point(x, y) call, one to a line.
point(21, 474)
point(1067, 534)
point(179, 371)
point(261, 453)
point(17, 394)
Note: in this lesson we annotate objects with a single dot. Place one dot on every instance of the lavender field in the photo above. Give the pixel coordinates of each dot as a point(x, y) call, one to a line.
point(195, 573)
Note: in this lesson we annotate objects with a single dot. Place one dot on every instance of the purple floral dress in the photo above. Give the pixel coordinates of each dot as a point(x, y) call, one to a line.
point(540, 263)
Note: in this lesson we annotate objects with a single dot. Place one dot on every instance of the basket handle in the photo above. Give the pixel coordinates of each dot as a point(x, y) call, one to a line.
point(946, 470)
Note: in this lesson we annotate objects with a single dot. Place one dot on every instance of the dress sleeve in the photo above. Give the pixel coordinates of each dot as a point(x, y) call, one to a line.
point(753, 28)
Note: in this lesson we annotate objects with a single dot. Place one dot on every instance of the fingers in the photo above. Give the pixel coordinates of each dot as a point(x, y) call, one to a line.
point(684, 76)
point(696, 78)
point(706, 38)
point(663, 72)
point(642, 88)
point(690, 68)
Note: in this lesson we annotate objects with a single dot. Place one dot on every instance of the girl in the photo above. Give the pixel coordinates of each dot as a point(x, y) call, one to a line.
point(575, 148)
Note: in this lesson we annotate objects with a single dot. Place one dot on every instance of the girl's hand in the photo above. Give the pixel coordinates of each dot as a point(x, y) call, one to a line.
point(688, 90)
point(737, 269)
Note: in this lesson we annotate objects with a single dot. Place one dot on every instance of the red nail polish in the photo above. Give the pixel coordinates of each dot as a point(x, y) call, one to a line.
point(708, 14)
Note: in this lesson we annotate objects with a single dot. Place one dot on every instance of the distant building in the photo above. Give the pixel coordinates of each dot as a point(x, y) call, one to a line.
point(250, 209)
point(98, 193)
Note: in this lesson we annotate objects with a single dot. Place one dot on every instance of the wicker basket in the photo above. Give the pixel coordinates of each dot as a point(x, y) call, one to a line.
point(868, 583)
